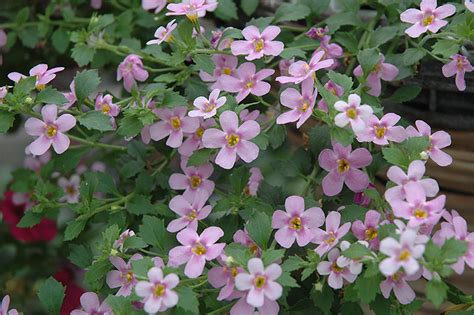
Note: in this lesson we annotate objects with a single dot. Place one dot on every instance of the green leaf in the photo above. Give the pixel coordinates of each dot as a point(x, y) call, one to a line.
point(96, 120)
point(204, 62)
point(287, 280)
point(153, 232)
point(259, 228)
point(51, 96)
point(134, 242)
point(445, 48)
point(51, 295)
point(272, 255)
point(368, 287)
point(188, 301)
point(343, 80)
point(199, 157)
point(60, 40)
point(24, 86)
point(382, 35)
point(96, 273)
point(82, 54)
point(29, 36)
point(86, 82)
point(335, 21)
point(249, 6)
point(6, 120)
point(226, 10)
point(30, 219)
point(323, 297)
point(80, 255)
point(293, 263)
point(342, 135)
point(277, 135)
point(395, 156)
point(238, 179)
point(129, 126)
point(412, 56)
point(356, 251)
point(141, 266)
point(452, 249)
point(172, 99)
point(239, 253)
point(291, 12)
point(140, 204)
point(404, 94)
point(351, 309)
point(368, 59)
point(436, 292)
point(120, 305)
point(262, 141)
point(74, 228)
point(291, 52)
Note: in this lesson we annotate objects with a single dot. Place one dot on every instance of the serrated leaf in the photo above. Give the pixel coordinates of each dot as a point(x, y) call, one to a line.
point(60, 40)
point(80, 255)
point(340, 79)
point(86, 82)
point(249, 6)
point(6, 120)
point(368, 58)
point(51, 295)
point(188, 301)
point(199, 157)
point(291, 12)
point(140, 204)
point(404, 94)
point(436, 292)
point(51, 96)
point(412, 56)
point(74, 228)
point(226, 10)
point(445, 48)
point(96, 120)
point(82, 54)
point(356, 251)
point(259, 228)
point(30, 219)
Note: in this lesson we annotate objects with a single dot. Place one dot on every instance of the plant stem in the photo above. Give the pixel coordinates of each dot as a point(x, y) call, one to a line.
point(221, 310)
point(98, 144)
point(211, 51)
point(310, 180)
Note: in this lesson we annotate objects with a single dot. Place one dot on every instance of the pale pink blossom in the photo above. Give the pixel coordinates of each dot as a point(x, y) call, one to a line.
point(368, 230)
point(123, 277)
point(206, 108)
point(243, 237)
point(156, 5)
point(284, 66)
point(91, 306)
point(458, 66)
point(301, 104)
point(4, 307)
point(131, 70)
point(362, 199)
point(337, 274)
point(3, 93)
point(3, 38)
point(42, 74)
point(191, 209)
point(381, 71)
point(194, 180)
point(50, 130)
point(255, 179)
point(71, 188)
point(245, 115)
point(398, 283)
point(428, 18)
point(118, 244)
point(257, 44)
point(191, 8)
point(104, 104)
point(353, 113)
point(173, 124)
point(335, 89)
point(381, 131)
point(296, 223)
point(329, 238)
point(70, 96)
point(224, 65)
point(300, 70)
point(242, 307)
point(163, 34)
point(469, 5)
point(157, 292)
point(354, 265)
point(193, 141)
point(96, 4)
point(34, 162)
point(224, 277)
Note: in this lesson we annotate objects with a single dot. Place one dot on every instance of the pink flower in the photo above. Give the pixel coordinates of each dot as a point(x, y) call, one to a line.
point(194, 140)
point(335, 89)
point(429, 18)
point(157, 293)
point(191, 8)
point(224, 277)
point(362, 199)
point(300, 70)
point(217, 42)
point(3, 93)
point(256, 45)
point(105, 105)
point(246, 81)
point(458, 66)
point(381, 131)
point(123, 277)
point(301, 104)
point(402, 254)
point(398, 283)
point(255, 179)
point(233, 140)
point(317, 32)
point(196, 250)
point(206, 108)
point(191, 209)
point(382, 70)
point(242, 237)
point(368, 230)
point(438, 140)
point(194, 180)
point(156, 5)
point(245, 115)
point(415, 173)
point(50, 131)
point(354, 265)
point(118, 244)
point(224, 65)
point(269, 307)
point(96, 4)
point(331, 51)
point(334, 232)
point(260, 282)
point(35, 163)
point(3, 38)
point(163, 33)
point(336, 273)
point(42, 74)
point(284, 66)
point(70, 188)
point(173, 124)
point(343, 167)
point(296, 223)
point(131, 69)
point(4, 307)
point(91, 306)
point(469, 5)
point(70, 96)
point(352, 113)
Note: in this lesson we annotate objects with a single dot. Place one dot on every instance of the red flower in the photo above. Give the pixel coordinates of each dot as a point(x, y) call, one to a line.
point(73, 292)
point(42, 232)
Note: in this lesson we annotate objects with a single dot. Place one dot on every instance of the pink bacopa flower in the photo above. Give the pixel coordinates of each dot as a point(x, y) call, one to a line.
point(96, 4)
point(104, 104)
point(381, 131)
point(301, 104)
point(50, 130)
point(34, 162)
point(3, 38)
point(381, 71)
point(256, 177)
point(224, 277)
point(131, 70)
point(123, 277)
point(335, 89)
point(70, 96)
point(458, 66)
point(256, 45)
point(343, 167)
point(352, 113)
point(428, 18)
point(157, 292)
point(156, 5)
point(196, 250)
point(401, 254)
point(118, 244)
point(284, 66)
point(317, 32)
point(296, 223)
point(71, 188)
point(243, 237)
point(416, 171)
point(42, 74)
point(91, 306)
point(469, 5)
point(438, 140)
point(362, 199)
point(398, 283)
point(224, 65)
point(354, 265)
point(368, 230)
point(191, 8)
point(194, 180)
point(193, 141)
point(245, 114)
point(3, 93)
point(334, 232)
point(300, 70)
point(206, 108)
point(163, 34)
point(172, 125)
point(260, 282)
point(337, 274)
point(269, 307)
point(4, 307)
point(247, 81)
point(191, 209)
point(233, 140)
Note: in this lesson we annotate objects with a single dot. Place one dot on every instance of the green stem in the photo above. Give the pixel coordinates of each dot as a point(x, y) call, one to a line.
point(211, 51)
point(221, 310)
point(98, 144)
point(310, 180)
point(119, 202)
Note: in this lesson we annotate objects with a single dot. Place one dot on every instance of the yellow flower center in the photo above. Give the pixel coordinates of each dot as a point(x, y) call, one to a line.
point(428, 20)
point(232, 140)
point(404, 255)
point(259, 44)
point(129, 276)
point(380, 131)
point(254, 248)
point(192, 215)
point(192, 17)
point(343, 165)
point(331, 239)
point(333, 91)
point(195, 181)
point(304, 106)
point(420, 214)
point(396, 277)
point(234, 272)
point(209, 107)
point(377, 68)
point(249, 84)
point(105, 108)
point(70, 190)
point(199, 132)
point(51, 130)
point(247, 190)
point(227, 70)
point(371, 234)
point(170, 38)
point(175, 122)
point(295, 223)
point(260, 282)
point(351, 113)
point(336, 268)
point(40, 87)
point(460, 65)
point(198, 249)
point(159, 290)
